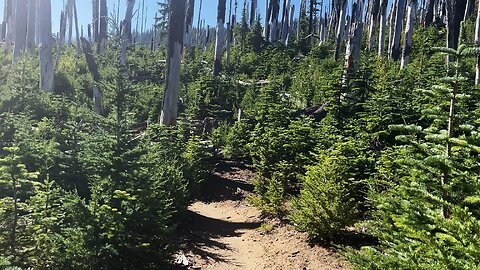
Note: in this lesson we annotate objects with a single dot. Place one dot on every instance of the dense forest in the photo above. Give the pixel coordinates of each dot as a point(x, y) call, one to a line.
point(359, 117)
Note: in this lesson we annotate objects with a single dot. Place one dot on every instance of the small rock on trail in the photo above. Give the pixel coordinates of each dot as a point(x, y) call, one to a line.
point(224, 231)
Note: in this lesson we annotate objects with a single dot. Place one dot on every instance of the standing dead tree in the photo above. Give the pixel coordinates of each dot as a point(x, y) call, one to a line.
point(220, 37)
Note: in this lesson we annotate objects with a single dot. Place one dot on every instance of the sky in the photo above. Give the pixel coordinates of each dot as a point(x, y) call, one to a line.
point(209, 10)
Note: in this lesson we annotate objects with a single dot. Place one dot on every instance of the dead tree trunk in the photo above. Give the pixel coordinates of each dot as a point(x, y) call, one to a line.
point(77, 33)
point(383, 27)
point(286, 22)
point(174, 55)
point(429, 10)
point(69, 17)
point(411, 15)
point(374, 15)
point(354, 44)
point(290, 25)
point(61, 39)
point(477, 43)
point(220, 37)
point(9, 10)
point(126, 31)
point(95, 19)
point(32, 19)
point(46, 44)
point(199, 28)
point(274, 20)
point(20, 27)
point(93, 68)
point(103, 30)
point(397, 30)
point(268, 10)
point(340, 30)
point(189, 24)
point(253, 12)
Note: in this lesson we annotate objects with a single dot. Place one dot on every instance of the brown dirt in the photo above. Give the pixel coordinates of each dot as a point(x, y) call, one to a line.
point(227, 233)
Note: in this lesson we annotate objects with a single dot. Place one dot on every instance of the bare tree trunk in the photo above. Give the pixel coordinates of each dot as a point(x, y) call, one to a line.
point(174, 55)
point(77, 33)
point(274, 20)
point(383, 27)
point(69, 17)
point(20, 27)
point(253, 12)
point(354, 44)
point(268, 11)
point(220, 37)
point(126, 31)
point(189, 24)
point(103, 31)
point(468, 10)
point(290, 25)
point(10, 10)
point(32, 19)
point(286, 22)
point(46, 45)
point(399, 15)
point(477, 43)
point(411, 15)
point(340, 30)
point(61, 39)
point(374, 14)
point(229, 32)
point(199, 27)
point(93, 68)
point(429, 10)
point(95, 22)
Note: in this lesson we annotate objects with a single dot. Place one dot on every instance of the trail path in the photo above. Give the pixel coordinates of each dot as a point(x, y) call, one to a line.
point(226, 233)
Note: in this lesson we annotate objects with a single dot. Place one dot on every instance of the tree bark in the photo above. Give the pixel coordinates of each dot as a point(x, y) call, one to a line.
point(268, 11)
point(253, 12)
point(77, 33)
point(126, 31)
point(354, 44)
point(103, 30)
point(95, 19)
point(477, 43)
point(189, 24)
point(398, 25)
point(383, 27)
point(93, 68)
point(286, 22)
point(46, 45)
point(340, 30)
point(32, 19)
point(290, 25)
point(61, 39)
point(174, 55)
point(411, 15)
point(220, 37)
point(429, 10)
point(374, 15)
point(20, 27)
point(274, 20)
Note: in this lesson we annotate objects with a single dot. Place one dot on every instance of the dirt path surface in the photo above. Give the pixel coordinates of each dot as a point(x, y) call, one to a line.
point(227, 233)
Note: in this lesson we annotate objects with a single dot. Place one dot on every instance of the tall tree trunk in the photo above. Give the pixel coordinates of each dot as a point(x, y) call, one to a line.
point(32, 20)
point(286, 22)
point(199, 27)
point(229, 32)
point(61, 39)
point(311, 16)
point(468, 10)
point(46, 45)
point(93, 68)
point(397, 32)
point(126, 31)
point(189, 24)
point(354, 44)
point(103, 31)
point(20, 27)
point(268, 11)
point(174, 56)
point(383, 27)
point(340, 30)
point(253, 12)
point(9, 36)
point(77, 33)
point(429, 10)
point(477, 43)
point(95, 19)
point(69, 13)
point(411, 15)
point(274, 20)
point(220, 37)
point(290, 25)
point(374, 15)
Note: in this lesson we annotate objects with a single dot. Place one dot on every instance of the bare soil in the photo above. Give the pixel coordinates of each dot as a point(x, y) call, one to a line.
point(225, 232)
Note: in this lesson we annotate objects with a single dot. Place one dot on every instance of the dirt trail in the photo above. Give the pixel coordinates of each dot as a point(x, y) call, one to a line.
point(227, 233)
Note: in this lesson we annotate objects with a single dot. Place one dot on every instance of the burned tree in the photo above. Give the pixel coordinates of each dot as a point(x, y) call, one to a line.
point(220, 36)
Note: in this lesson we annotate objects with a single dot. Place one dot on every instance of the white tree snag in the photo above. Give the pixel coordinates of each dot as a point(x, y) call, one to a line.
point(103, 30)
point(290, 25)
point(9, 10)
point(397, 32)
point(46, 44)
point(69, 19)
point(340, 29)
point(21, 7)
point(32, 20)
point(411, 15)
point(286, 22)
point(274, 25)
point(374, 12)
point(169, 112)
point(354, 43)
point(77, 33)
point(220, 37)
point(126, 31)
point(253, 12)
point(93, 68)
point(268, 12)
point(383, 26)
point(61, 39)
point(95, 19)
point(189, 24)
point(477, 43)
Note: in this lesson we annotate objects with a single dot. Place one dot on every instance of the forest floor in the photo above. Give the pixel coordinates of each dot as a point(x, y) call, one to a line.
point(224, 232)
